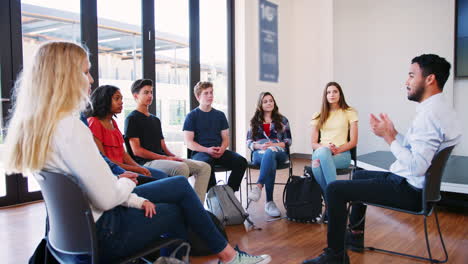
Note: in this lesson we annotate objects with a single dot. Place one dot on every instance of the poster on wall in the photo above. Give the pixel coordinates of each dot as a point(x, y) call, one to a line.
point(461, 51)
point(268, 15)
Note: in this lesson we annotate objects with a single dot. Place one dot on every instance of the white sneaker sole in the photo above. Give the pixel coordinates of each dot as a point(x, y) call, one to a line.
point(266, 260)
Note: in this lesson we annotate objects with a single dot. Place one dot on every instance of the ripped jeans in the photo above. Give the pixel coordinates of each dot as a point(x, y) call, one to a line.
point(325, 170)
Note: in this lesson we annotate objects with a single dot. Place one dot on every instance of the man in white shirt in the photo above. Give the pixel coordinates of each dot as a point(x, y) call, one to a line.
point(434, 128)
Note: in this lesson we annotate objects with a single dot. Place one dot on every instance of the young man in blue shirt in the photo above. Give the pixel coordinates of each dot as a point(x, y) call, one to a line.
point(206, 132)
point(434, 128)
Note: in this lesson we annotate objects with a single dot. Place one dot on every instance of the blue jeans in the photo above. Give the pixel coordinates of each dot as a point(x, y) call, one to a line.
point(268, 161)
point(231, 160)
point(326, 172)
point(384, 188)
point(123, 231)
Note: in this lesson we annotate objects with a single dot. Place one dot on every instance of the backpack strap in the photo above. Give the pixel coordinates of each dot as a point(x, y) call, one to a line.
point(220, 205)
point(244, 215)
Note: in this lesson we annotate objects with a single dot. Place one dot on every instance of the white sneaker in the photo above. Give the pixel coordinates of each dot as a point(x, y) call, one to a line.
point(272, 210)
point(245, 258)
point(255, 193)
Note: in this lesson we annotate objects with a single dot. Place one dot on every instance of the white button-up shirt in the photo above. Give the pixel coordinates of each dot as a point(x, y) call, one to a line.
point(434, 128)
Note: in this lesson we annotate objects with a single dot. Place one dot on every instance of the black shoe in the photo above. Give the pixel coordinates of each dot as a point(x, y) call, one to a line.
point(355, 242)
point(329, 256)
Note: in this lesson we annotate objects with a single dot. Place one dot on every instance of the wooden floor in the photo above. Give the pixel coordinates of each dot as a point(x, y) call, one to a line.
point(287, 242)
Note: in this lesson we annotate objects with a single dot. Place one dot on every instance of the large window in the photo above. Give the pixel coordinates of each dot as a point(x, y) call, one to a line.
point(47, 20)
point(172, 69)
point(213, 50)
point(121, 53)
point(119, 44)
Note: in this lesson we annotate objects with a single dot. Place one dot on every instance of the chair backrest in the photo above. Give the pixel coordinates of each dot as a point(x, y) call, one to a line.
point(431, 191)
point(129, 147)
point(71, 224)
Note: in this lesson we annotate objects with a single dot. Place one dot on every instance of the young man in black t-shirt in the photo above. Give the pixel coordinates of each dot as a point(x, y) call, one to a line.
point(147, 141)
point(206, 133)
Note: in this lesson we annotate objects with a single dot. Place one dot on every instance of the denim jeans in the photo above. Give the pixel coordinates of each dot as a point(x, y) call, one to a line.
point(231, 160)
point(123, 231)
point(268, 161)
point(326, 172)
point(383, 188)
point(157, 174)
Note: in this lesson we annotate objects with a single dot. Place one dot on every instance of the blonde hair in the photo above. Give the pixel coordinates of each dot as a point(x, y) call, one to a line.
point(51, 87)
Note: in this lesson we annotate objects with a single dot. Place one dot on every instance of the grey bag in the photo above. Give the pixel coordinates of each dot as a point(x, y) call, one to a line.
point(172, 258)
point(224, 205)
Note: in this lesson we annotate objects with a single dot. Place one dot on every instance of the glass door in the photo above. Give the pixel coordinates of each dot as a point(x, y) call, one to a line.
point(172, 70)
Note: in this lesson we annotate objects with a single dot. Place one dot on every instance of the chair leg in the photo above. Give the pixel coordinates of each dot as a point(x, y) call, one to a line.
point(440, 236)
point(248, 180)
point(427, 239)
point(427, 244)
point(240, 193)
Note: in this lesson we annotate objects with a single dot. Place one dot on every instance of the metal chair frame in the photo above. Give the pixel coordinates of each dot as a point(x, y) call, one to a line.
point(430, 197)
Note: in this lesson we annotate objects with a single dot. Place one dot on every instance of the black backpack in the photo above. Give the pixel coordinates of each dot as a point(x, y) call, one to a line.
point(302, 198)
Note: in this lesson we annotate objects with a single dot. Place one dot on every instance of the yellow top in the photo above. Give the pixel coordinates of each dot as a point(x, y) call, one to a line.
point(335, 129)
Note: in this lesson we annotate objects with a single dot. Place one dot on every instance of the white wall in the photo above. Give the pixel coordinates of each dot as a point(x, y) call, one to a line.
point(248, 86)
point(305, 59)
point(365, 45)
point(374, 44)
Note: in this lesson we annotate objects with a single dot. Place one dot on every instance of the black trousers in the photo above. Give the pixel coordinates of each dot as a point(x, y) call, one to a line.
point(384, 188)
point(231, 160)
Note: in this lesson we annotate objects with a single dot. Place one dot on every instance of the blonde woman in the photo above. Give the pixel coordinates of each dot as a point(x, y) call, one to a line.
point(45, 133)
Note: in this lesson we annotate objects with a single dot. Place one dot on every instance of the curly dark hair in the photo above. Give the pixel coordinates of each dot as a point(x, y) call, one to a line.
point(101, 101)
point(257, 120)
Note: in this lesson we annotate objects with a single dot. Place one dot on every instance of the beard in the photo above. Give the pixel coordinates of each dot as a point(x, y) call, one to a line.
point(417, 95)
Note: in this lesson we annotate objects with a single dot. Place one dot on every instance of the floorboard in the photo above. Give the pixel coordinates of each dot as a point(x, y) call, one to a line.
point(287, 242)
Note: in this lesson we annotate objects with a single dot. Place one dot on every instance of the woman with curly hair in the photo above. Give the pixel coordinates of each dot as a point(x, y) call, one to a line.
point(269, 137)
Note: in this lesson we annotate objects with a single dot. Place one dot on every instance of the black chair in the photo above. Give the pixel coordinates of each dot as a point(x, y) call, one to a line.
point(70, 228)
point(352, 167)
point(430, 197)
point(218, 168)
point(350, 170)
point(252, 166)
point(129, 147)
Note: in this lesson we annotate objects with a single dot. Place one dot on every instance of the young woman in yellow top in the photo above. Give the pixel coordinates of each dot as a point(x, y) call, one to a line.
point(334, 122)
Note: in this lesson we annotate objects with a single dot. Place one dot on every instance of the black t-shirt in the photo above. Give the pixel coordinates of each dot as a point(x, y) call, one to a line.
point(147, 129)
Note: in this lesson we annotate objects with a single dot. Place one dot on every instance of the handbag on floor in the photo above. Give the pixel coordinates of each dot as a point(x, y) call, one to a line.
point(172, 258)
point(302, 198)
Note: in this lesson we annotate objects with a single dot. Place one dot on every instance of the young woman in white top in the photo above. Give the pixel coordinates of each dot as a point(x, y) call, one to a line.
point(45, 133)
